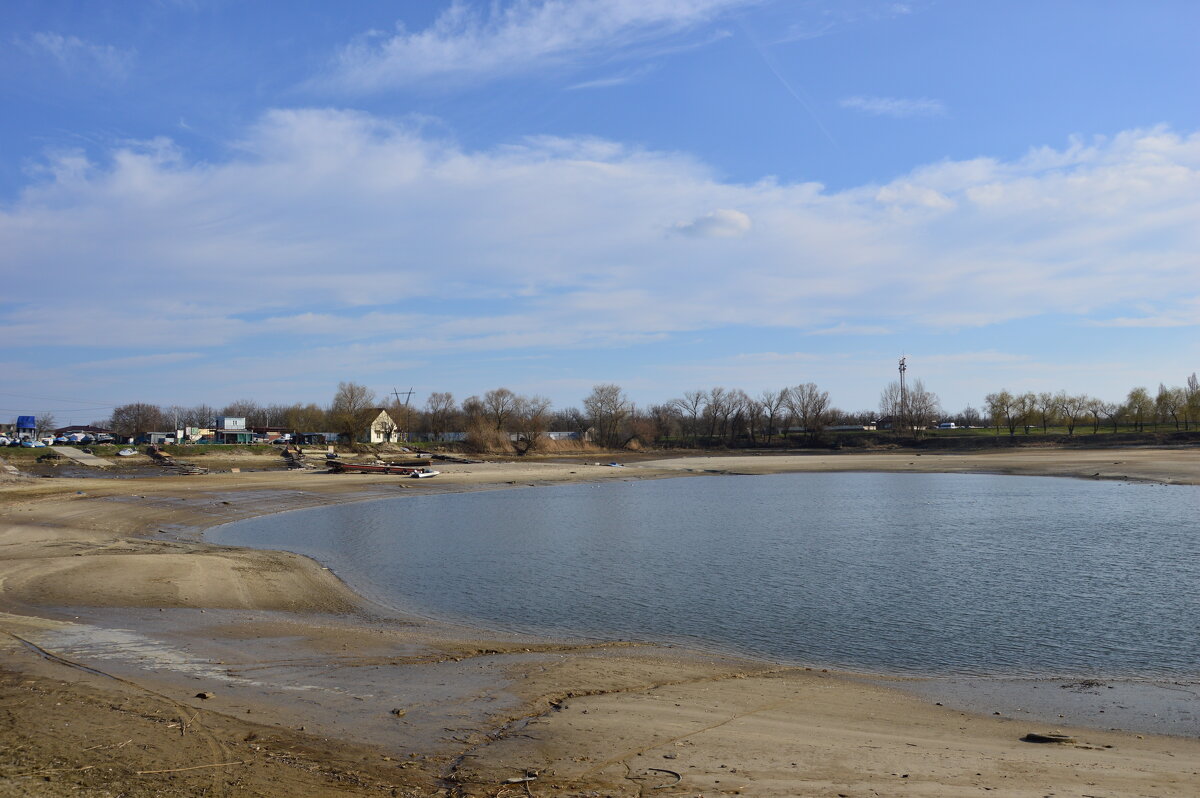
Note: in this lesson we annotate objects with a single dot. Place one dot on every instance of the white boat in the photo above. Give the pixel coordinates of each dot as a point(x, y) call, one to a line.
point(126, 453)
point(424, 473)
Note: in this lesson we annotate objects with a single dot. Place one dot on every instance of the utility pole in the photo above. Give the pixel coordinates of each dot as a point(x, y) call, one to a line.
point(903, 392)
point(403, 436)
point(407, 395)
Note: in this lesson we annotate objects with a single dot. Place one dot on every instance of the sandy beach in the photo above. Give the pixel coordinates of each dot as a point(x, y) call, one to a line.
point(137, 659)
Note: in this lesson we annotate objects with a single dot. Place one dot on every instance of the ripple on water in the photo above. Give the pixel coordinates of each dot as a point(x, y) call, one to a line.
point(899, 573)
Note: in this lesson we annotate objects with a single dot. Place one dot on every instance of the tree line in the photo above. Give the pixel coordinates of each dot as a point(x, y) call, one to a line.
point(502, 419)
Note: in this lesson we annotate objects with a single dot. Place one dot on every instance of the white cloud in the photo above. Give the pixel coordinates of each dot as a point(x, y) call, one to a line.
point(721, 223)
point(80, 57)
point(464, 43)
point(325, 225)
point(897, 107)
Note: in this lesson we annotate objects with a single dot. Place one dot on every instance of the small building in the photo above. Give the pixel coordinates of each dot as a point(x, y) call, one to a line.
point(380, 427)
point(316, 438)
point(26, 426)
point(572, 435)
point(273, 433)
point(232, 429)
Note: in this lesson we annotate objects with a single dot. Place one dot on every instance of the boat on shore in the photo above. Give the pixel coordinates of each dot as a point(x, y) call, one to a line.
point(403, 469)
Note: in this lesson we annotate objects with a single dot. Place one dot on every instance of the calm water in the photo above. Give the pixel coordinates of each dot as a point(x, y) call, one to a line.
point(930, 573)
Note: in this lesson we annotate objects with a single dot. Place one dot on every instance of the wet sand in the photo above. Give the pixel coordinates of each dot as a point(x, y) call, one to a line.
point(116, 614)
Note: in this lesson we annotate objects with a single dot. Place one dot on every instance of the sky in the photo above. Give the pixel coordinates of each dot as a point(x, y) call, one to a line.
point(206, 200)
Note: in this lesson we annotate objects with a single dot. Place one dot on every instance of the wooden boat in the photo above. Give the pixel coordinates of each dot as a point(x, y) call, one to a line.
point(340, 467)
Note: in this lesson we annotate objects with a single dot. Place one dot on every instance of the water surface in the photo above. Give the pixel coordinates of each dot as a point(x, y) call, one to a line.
point(894, 573)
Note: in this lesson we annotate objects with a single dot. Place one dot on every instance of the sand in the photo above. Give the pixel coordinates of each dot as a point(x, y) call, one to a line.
point(114, 615)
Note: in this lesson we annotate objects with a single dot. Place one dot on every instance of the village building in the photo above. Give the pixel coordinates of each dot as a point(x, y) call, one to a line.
point(82, 429)
point(380, 427)
point(231, 429)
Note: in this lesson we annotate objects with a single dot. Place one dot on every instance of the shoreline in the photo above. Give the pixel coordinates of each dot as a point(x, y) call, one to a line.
point(190, 606)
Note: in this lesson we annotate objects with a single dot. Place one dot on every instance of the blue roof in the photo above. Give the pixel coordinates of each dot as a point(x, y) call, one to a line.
point(26, 422)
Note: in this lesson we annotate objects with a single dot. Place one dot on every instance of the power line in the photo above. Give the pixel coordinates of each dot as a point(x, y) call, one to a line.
point(407, 395)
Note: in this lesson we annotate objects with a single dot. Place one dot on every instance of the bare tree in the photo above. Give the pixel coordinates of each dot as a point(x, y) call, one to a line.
point(1027, 404)
point(1113, 411)
point(1096, 412)
point(1005, 410)
point(571, 420)
point(306, 418)
point(242, 408)
point(665, 420)
point(607, 408)
point(641, 427)
point(1047, 408)
point(969, 417)
point(891, 408)
point(44, 423)
point(810, 406)
point(715, 410)
point(773, 406)
point(755, 412)
point(403, 418)
point(135, 420)
point(498, 405)
point(439, 409)
point(690, 408)
point(738, 409)
point(529, 417)
point(349, 410)
point(924, 407)
point(1073, 408)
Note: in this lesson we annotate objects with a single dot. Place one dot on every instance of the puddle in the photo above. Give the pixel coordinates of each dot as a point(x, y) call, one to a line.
point(1137, 705)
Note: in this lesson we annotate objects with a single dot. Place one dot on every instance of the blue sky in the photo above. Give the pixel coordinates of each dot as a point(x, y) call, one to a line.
point(204, 201)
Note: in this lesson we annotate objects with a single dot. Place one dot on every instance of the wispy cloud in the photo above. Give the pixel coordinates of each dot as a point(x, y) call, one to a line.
point(852, 329)
point(619, 79)
point(897, 107)
point(81, 57)
point(467, 44)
